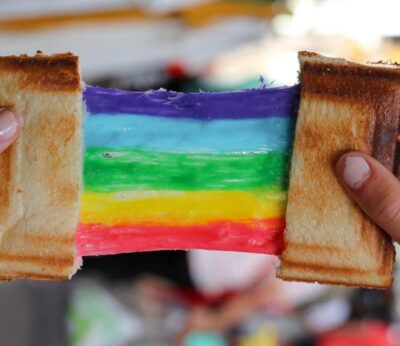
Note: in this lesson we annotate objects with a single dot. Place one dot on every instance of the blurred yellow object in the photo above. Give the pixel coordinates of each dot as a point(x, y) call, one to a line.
point(267, 336)
point(204, 13)
point(389, 51)
point(48, 21)
point(196, 15)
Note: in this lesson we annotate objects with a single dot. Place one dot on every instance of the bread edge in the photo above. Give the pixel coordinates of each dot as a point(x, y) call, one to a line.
point(323, 273)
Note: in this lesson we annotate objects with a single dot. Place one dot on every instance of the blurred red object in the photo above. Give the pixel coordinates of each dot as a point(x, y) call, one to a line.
point(360, 334)
point(176, 69)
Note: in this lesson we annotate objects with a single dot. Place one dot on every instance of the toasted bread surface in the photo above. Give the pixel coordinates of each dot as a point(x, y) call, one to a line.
point(42, 170)
point(10, 196)
point(344, 106)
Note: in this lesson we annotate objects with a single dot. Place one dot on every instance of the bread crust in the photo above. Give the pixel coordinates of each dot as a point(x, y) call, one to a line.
point(344, 106)
point(57, 72)
point(40, 242)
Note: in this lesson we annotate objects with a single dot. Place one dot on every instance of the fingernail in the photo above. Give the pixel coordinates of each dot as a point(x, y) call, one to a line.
point(8, 125)
point(356, 171)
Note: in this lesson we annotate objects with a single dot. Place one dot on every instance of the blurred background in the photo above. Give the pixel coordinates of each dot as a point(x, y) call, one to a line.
point(196, 298)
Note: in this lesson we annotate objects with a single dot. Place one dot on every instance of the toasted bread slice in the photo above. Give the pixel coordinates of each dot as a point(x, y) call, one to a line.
point(343, 106)
point(10, 196)
point(41, 173)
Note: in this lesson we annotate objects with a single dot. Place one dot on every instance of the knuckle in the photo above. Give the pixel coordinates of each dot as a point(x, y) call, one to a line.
point(388, 210)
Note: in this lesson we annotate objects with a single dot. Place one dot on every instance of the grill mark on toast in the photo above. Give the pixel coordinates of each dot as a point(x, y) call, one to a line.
point(45, 261)
point(33, 276)
point(61, 239)
point(306, 247)
point(344, 283)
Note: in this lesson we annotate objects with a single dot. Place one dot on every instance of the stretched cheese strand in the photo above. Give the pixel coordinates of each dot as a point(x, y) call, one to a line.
point(167, 170)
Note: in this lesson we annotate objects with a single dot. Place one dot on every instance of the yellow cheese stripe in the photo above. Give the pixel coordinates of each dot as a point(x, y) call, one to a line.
point(180, 208)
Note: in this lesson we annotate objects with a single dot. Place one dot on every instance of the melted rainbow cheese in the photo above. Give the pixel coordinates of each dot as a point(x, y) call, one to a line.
point(166, 170)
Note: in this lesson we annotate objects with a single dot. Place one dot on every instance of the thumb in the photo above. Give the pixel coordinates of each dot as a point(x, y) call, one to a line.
point(10, 125)
point(375, 189)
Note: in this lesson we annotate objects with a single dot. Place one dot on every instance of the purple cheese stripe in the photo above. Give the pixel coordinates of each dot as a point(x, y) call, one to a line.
point(246, 104)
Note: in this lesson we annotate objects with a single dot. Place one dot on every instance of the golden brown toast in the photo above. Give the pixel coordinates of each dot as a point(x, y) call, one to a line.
point(10, 197)
point(343, 106)
point(41, 172)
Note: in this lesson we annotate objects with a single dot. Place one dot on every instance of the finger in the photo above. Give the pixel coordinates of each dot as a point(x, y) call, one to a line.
point(10, 125)
point(374, 188)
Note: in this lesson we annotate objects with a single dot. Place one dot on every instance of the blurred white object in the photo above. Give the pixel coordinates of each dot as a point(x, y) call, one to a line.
point(298, 293)
point(31, 8)
point(216, 272)
point(130, 49)
point(360, 19)
point(328, 315)
point(283, 68)
point(25, 8)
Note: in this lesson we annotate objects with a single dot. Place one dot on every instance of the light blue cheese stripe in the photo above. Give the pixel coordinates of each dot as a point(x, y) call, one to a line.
point(189, 135)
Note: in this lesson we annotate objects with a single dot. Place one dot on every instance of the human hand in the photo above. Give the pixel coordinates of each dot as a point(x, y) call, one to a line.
point(375, 189)
point(10, 125)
